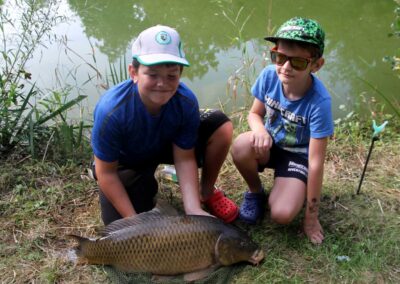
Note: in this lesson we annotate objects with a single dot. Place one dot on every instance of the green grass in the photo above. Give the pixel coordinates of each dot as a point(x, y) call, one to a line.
point(41, 202)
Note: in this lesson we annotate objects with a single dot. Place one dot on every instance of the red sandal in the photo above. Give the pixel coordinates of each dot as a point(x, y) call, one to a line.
point(222, 207)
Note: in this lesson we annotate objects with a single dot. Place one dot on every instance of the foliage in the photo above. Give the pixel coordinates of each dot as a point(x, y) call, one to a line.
point(250, 63)
point(117, 74)
point(245, 74)
point(395, 60)
point(26, 25)
point(40, 203)
point(67, 138)
point(394, 105)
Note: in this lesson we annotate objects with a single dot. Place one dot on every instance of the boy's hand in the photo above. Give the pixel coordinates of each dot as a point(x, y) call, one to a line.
point(261, 142)
point(313, 229)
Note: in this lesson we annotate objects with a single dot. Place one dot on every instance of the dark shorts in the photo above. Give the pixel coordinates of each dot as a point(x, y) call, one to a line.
point(286, 164)
point(141, 184)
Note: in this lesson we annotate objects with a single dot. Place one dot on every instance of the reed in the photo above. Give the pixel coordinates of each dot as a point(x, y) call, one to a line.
point(28, 117)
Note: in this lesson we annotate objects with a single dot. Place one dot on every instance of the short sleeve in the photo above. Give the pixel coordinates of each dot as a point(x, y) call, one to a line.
point(187, 135)
point(258, 89)
point(321, 124)
point(106, 136)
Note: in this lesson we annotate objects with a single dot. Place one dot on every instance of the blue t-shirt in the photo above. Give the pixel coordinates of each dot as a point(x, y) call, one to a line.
point(291, 124)
point(125, 131)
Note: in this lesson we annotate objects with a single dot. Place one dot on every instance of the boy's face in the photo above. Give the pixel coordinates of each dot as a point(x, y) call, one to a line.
point(289, 75)
point(156, 84)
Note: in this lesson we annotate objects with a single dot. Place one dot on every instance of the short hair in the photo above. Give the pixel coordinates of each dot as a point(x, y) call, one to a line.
point(312, 48)
point(136, 64)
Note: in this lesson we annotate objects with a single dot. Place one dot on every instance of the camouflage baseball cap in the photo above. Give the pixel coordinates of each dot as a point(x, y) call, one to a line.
point(301, 29)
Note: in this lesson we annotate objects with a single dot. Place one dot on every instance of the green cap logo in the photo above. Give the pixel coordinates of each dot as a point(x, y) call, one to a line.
point(163, 38)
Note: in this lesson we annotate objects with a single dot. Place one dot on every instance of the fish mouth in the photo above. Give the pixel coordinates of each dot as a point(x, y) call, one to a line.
point(257, 256)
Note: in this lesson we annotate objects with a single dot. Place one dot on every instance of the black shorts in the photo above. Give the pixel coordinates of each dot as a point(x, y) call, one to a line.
point(141, 184)
point(286, 164)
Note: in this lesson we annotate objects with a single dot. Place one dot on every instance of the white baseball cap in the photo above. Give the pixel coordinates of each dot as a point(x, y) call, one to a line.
point(158, 45)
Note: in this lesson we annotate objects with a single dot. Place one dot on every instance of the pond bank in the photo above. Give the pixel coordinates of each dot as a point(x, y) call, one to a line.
point(41, 202)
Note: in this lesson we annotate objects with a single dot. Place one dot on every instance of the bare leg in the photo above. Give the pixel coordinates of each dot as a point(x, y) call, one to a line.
point(246, 161)
point(216, 152)
point(286, 199)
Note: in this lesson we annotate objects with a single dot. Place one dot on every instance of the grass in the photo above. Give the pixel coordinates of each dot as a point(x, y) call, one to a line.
point(41, 202)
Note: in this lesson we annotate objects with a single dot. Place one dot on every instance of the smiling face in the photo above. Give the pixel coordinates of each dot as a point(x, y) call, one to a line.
point(156, 84)
point(291, 77)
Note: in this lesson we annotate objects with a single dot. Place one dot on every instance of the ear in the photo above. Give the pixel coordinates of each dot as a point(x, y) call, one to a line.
point(317, 64)
point(133, 73)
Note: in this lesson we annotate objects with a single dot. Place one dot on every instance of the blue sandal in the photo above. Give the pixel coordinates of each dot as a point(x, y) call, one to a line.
point(253, 207)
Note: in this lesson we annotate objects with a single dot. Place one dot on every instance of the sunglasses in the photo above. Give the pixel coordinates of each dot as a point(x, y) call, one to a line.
point(297, 63)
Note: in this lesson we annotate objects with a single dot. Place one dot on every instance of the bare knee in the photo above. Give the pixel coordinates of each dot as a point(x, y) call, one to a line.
point(241, 147)
point(282, 216)
point(223, 134)
point(282, 213)
point(286, 199)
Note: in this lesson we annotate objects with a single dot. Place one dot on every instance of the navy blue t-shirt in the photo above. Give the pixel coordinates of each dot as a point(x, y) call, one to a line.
point(125, 131)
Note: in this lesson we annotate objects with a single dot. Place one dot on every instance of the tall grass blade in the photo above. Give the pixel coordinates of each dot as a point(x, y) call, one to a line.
point(31, 136)
point(60, 110)
point(80, 133)
point(388, 102)
point(22, 109)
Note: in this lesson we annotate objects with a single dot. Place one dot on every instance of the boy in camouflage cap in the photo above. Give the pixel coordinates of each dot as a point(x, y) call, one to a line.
point(290, 122)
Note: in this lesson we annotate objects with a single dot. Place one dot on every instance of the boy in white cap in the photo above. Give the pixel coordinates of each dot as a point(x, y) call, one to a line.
point(290, 121)
point(154, 119)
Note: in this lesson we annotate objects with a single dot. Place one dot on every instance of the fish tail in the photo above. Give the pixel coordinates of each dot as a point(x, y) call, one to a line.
point(82, 241)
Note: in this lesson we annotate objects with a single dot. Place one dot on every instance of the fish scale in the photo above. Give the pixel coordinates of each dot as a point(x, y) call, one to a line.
point(169, 245)
point(157, 242)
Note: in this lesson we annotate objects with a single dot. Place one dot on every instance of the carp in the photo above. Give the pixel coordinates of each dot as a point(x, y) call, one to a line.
point(167, 245)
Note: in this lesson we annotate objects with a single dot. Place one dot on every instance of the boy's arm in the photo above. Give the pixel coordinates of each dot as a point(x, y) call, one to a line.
point(187, 172)
point(256, 116)
point(112, 187)
point(260, 138)
point(317, 151)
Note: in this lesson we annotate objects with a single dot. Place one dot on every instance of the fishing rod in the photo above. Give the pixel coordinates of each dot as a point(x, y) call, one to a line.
point(375, 137)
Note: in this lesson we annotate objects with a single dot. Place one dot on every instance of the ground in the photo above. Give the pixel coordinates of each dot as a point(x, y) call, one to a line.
point(42, 202)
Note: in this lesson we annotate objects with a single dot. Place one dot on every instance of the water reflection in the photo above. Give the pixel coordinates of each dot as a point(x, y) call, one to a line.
point(357, 40)
point(356, 33)
point(203, 28)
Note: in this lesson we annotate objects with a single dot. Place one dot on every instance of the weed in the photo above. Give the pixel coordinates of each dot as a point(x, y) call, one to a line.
point(239, 83)
point(45, 201)
point(24, 124)
point(117, 75)
point(395, 60)
point(42, 201)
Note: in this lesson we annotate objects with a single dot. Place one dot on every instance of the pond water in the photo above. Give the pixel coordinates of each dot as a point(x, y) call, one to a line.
point(101, 31)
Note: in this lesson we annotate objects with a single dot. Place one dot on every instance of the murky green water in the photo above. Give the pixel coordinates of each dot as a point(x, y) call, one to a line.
point(356, 42)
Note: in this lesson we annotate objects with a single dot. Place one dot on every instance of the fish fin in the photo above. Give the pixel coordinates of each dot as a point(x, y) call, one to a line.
point(199, 274)
point(130, 221)
point(222, 250)
point(122, 268)
point(162, 208)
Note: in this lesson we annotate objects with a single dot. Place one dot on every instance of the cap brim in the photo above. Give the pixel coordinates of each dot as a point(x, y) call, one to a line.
point(275, 39)
point(154, 59)
point(271, 38)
